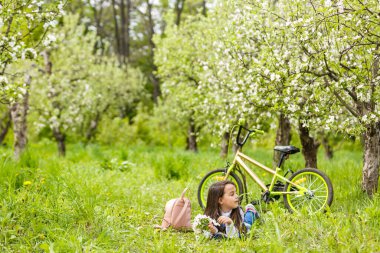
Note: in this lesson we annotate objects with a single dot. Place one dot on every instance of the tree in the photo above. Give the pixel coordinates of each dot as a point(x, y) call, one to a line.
point(176, 57)
point(270, 59)
point(186, 50)
point(336, 71)
point(19, 111)
point(348, 58)
point(112, 87)
point(207, 86)
point(26, 24)
point(79, 86)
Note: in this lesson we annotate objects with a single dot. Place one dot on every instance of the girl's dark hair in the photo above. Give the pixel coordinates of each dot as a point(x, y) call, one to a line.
point(212, 210)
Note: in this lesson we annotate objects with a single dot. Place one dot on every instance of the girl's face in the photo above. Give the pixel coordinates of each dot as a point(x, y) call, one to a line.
point(230, 199)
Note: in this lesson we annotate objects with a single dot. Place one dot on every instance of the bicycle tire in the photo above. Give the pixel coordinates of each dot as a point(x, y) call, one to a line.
point(213, 177)
point(320, 192)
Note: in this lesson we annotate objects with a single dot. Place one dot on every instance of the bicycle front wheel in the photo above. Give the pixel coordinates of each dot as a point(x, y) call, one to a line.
point(317, 196)
point(213, 177)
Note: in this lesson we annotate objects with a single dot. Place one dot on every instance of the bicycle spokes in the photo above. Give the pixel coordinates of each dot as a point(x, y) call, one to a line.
point(314, 198)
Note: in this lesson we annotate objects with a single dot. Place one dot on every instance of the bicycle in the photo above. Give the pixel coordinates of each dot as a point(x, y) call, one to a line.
point(308, 188)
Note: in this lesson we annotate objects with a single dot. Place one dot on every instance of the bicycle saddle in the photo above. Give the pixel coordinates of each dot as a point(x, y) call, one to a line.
point(287, 149)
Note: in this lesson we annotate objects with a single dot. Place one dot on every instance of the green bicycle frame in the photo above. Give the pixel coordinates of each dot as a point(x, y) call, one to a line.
point(239, 159)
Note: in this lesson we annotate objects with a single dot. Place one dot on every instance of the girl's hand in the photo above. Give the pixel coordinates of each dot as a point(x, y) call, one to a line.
point(225, 220)
point(212, 228)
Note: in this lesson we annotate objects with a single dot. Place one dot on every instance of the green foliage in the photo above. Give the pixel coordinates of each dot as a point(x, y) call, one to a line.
point(116, 131)
point(167, 166)
point(83, 87)
point(317, 63)
point(23, 26)
point(258, 58)
point(161, 127)
point(114, 164)
point(73, 204)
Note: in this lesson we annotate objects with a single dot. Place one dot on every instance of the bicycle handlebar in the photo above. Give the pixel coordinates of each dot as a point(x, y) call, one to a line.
point(249, 132)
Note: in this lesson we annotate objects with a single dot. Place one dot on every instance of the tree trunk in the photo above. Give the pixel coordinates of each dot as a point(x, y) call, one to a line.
point(178, 8)
point(128, 28)
point(125, 15)
point(153, 78)
point(309, 146)
point(204, 8)
point(48, 63)
point(192, 137)
point(328, 149)
point(225, 143)
point(370, 178)
point(91, 131)
point(92, 128)
point(156, 86)
point(19, 111)
point(123, 30)
point(117, 36)
point(371, 139)
point(283, 136)
point(60, 139)
point(57, 133)
point(7, 118)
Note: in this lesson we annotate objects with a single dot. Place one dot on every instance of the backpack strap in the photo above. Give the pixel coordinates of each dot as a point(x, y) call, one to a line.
point(184, 206)
point(183, 193)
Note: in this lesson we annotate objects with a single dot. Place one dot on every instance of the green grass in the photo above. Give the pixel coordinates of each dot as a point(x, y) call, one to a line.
point(103, 199)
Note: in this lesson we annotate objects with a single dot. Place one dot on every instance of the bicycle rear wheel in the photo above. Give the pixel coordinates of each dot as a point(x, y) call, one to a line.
point(318, 195)
point(213, 177)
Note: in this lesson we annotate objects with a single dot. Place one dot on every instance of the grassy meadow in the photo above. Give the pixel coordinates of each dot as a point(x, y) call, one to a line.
point(107, 199)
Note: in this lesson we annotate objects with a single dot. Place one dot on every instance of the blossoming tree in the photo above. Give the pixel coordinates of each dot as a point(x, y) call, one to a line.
point(340, 41)
point(76, 86)
point(23, 25)
point(315, 61)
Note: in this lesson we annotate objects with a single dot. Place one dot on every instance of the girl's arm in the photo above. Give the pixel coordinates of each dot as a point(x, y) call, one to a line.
point(231, 230)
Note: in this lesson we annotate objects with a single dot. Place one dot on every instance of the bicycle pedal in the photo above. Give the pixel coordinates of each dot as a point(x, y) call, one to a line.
point(265, 197)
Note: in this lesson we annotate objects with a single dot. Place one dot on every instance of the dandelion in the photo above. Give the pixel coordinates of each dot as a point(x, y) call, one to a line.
point(26, 183)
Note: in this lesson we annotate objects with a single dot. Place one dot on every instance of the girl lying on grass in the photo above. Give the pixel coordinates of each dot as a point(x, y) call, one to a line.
point(223, 206)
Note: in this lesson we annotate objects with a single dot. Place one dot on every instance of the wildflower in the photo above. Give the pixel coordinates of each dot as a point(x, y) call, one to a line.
point(26, 183)
point(200, 225)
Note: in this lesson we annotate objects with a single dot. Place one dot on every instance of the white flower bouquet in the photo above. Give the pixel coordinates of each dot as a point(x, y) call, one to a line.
point(200, 225)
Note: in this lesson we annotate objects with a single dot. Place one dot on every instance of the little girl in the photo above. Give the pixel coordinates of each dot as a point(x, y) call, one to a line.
point(223, 206)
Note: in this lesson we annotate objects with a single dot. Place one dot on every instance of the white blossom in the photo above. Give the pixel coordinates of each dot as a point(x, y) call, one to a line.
point(3, 80)
point(49, 39)
point(52, 23)
point(340, 6)
point(200, 225)
point(29, 53)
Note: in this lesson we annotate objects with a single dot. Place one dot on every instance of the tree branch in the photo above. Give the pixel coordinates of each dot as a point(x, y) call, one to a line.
point(348, 107)
point(331, 73)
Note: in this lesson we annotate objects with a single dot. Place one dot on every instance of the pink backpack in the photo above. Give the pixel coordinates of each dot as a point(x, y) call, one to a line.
point(177, 214)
